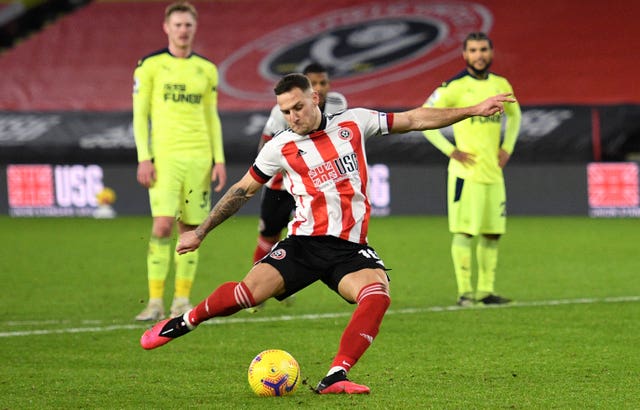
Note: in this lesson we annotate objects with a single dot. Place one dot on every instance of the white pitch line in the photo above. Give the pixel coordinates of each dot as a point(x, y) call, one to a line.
point(97, 327)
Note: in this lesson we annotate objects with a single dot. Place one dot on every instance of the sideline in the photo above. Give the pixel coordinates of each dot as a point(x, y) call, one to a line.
point(102, 326)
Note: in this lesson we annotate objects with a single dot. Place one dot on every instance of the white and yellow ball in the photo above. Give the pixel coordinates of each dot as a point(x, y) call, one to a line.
point(274, 372)
point(106, 197)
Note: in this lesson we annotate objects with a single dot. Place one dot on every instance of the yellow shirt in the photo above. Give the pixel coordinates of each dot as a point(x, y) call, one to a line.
point(480, 136)
point(175, 107)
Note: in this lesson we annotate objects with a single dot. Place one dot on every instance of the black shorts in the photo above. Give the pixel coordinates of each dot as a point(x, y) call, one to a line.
point(303, 260)
point(276, 208)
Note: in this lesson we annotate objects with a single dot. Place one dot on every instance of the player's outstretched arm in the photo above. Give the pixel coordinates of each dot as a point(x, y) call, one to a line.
point(229, 204)
point(427, 118)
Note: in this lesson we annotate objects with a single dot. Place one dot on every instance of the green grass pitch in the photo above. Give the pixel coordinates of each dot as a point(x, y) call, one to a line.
point(71, 287)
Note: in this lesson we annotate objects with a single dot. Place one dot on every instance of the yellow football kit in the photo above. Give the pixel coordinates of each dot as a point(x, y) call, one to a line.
point(476, 195)
point(482, 137)
point(176, 124)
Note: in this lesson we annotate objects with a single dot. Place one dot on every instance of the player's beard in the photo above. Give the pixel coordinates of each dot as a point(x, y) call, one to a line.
point(479, 73)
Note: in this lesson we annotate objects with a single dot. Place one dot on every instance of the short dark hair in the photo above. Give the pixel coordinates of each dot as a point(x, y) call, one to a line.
point(316, 68)
point(180, 6)
point(291, 81)
point(476, 36)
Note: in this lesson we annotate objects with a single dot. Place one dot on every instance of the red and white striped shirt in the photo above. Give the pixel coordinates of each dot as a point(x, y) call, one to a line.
point(326, 172)
point(334, 103)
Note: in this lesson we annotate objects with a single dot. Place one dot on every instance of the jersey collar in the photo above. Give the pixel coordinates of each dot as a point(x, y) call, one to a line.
point(321, 127)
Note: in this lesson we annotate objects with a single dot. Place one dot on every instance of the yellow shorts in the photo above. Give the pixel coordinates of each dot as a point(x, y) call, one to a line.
point(182, 189)
point(476, 208)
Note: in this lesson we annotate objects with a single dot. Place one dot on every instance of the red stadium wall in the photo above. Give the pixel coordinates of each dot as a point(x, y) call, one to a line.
point(554, 52)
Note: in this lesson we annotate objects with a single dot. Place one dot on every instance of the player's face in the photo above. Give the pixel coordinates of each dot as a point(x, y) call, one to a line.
point(300, 109)
point(320, 84)
point(180, 28)
point(478, 54)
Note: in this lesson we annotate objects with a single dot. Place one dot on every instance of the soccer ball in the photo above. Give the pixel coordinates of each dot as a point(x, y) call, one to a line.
point(106, 197)
point(274, 372)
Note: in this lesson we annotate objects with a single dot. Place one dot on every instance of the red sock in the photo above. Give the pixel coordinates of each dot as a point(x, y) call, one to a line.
point(226, 300)
point(364, 325)
point(262, 248)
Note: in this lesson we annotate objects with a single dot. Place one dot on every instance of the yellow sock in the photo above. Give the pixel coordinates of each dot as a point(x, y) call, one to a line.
point(158, 261)
point(186, 266)
point(487, 254)
point(461, 255)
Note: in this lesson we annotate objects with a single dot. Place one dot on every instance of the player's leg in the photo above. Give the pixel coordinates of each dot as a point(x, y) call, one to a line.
point(264, 244)
point(186, 266)
point(194, 208)
point(493, 225)
point(459, 212)
point(164, 197)
point(262, 282)
point(368, 287)
point(158, 263)
point(370, 290)
point(487, 255)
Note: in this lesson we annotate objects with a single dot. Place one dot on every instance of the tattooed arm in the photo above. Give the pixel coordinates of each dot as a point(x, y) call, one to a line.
point(228, 205)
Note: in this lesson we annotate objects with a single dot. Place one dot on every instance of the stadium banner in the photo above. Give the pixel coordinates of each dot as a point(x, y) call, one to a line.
point(614, 189)
point(83, 190)
point(549, 134)
point(93, 190)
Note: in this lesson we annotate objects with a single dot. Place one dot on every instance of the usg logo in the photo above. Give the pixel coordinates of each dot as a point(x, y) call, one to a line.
point(358, 45)
point(53, 190)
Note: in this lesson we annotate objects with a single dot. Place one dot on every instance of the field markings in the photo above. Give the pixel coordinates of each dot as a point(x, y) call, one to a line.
point(96, 326)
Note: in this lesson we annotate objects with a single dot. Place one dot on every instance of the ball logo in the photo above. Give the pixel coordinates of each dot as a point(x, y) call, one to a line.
point(278, 254)
point(345, 134)
point(358, 46)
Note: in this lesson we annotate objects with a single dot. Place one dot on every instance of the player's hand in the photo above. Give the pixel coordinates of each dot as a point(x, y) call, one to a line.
point(466, 158)
point(146, 174)
point(188, 242)
point(219, 173)
point(503, 158)
point(494, 105)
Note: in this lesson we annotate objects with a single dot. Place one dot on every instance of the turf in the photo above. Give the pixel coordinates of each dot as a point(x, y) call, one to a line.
point(72, 286)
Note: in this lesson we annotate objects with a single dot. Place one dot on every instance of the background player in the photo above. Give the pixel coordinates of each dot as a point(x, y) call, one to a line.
point(476, 190)
point(325, 168)
point(178, 135)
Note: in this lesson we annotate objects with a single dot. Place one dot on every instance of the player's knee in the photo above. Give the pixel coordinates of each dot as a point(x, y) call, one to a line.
point(264, 281)
point(162, 228)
